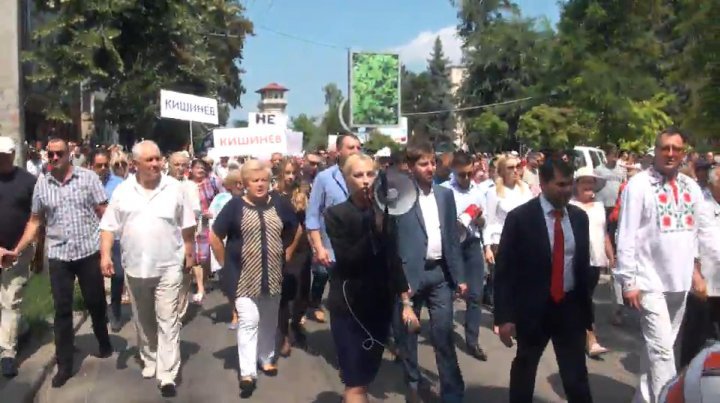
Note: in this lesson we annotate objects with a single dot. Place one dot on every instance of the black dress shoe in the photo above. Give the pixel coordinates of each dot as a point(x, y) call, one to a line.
point(247, 387)
point(60, 378)
point(9, 367)
point(105, 351)
point(477, 352)
point(168, 390)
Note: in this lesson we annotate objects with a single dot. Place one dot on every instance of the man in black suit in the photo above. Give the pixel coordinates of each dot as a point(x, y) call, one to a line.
point(541, 288)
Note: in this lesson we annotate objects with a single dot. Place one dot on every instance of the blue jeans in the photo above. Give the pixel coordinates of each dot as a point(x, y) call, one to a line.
point(474, 262)
point(117, 281)
point(320, 278)
point(435, 292)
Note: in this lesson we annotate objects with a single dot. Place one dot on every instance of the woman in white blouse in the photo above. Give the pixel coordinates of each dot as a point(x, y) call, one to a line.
point(587, 184)
point(509, 192)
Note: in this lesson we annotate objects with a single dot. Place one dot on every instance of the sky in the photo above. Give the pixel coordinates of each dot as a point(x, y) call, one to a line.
point(302, 44)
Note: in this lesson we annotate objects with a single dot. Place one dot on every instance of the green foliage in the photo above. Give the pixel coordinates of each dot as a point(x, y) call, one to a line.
point(486, 132)
point(552, 127)
point(440, 126)
point(375, 81)
point(313, 137)
point(129, 50)
point(377, 141)
point(647, 119)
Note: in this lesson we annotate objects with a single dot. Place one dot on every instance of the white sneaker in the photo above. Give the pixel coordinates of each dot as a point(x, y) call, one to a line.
point(148, 372)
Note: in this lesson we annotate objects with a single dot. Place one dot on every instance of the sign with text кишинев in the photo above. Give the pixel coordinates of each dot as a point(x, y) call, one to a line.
point(176, 105)
point(258, 142)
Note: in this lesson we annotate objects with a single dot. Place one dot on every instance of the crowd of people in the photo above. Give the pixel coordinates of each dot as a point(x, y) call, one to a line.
point(275, 234)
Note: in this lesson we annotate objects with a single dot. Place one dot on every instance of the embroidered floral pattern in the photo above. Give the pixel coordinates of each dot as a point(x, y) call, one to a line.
point(674, 215)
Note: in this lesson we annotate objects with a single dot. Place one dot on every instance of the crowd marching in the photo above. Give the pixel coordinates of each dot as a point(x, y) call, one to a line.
point(524, 237)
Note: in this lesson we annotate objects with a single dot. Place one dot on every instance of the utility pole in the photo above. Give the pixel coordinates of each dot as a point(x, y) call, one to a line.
point(11, 114)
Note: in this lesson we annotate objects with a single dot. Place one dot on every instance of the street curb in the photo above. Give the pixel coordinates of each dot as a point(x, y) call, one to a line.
point(26, 393)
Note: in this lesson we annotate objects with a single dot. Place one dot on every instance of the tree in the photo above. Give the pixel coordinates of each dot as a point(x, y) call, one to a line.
point(549, 127)
point(486, 132)
point(313, 137)
point(376, 141)
point(330, 123)
point(606, 59)
point(415, 94)
point(507, 58)
point(130, 49)
point(440, 126)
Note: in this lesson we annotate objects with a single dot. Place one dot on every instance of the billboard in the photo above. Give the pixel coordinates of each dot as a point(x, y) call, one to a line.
point(374, 89)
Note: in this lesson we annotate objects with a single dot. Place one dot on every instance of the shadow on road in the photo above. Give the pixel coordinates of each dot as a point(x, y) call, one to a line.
point(603, 388)
point(491, 394)
point(328, 397)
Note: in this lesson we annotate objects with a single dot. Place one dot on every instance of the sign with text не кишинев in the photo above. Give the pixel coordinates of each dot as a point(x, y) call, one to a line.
point(258, 142)
point(176, 105)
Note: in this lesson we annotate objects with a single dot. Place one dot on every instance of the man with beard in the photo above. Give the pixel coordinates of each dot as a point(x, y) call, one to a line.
point(328, 189)
point(101, 165)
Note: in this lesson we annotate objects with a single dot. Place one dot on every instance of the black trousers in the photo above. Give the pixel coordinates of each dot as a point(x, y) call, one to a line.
point(563, 325)
point(62, 284)
point(701, 323)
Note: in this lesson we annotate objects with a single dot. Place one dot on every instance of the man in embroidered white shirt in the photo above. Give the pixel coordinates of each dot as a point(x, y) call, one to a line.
point(155, 222)
point(656, 250)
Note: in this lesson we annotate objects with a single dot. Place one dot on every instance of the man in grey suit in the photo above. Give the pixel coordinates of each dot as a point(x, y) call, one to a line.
point(429, 247)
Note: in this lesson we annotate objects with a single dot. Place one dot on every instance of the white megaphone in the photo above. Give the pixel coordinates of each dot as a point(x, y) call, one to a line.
point(467, 217)
point(395, 192)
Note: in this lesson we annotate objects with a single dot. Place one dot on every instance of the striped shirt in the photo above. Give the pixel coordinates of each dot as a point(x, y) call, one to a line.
point(68, 210)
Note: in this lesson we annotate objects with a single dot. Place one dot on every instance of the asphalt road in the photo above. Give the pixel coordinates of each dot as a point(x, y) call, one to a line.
point(209, 371)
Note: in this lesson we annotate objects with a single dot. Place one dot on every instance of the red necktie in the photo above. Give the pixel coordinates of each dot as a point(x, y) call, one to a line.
point(557, 289)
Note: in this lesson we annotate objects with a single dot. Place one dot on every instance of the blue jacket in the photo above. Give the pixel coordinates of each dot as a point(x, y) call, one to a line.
point(413, 241)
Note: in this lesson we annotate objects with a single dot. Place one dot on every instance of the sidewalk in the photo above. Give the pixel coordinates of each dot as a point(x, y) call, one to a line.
point(36, 360)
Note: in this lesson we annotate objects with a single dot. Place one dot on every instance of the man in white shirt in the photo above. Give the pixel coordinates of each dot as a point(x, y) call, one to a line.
point(656, 248)
point(156, 225)
point(470, 204)
point(178, 164)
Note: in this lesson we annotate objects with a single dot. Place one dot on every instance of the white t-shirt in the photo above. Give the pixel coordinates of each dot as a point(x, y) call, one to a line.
point(498, 209)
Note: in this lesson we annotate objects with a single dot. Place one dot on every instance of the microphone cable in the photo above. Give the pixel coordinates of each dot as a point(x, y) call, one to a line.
point(370, 341)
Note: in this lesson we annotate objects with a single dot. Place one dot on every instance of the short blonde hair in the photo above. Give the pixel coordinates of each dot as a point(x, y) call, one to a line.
point(232, 178)
point(354, 159)
point(251, 166)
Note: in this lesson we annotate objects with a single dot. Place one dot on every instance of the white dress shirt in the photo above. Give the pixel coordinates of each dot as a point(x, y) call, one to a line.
point(598, 230)
point(568, 237)
point(709, 243)
point(464, 198)
point(149, 224)
point(657, 235)
point(498, 209)
point(431, 218)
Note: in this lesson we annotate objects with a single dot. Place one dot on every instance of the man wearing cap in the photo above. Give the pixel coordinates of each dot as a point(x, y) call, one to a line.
point(16, 190)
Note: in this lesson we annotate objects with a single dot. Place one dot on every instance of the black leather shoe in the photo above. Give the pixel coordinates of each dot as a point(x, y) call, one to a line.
point(105, 351)
point(477, 352)
point(168, 390)
point(247, 387)
point(60, 378)
point(9, 367)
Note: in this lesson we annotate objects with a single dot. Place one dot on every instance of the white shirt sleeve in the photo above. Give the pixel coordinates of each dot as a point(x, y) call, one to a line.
point(491, 221)
point(187, 210)
point(111, 218)
point(631, 208)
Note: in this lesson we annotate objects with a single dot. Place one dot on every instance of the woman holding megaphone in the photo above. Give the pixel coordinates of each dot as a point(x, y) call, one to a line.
point(366, 281)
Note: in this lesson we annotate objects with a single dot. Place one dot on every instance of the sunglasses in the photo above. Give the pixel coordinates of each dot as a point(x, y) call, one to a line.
point(105, 165)
point(53, 154)
point(120, 164)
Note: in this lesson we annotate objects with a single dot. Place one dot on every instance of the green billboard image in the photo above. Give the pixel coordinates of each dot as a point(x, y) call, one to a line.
point(374, 89)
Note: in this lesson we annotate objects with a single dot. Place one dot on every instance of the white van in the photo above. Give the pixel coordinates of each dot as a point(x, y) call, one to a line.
point(588, 157)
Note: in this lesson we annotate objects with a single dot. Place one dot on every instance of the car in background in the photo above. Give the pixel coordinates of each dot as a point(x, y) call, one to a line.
point(591, 157)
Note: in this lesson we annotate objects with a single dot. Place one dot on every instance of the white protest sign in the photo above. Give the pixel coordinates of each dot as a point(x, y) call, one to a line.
point(258, 142)
point(267, 119)
point(332, 138)
point(176, 105)
point(295, 143)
